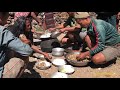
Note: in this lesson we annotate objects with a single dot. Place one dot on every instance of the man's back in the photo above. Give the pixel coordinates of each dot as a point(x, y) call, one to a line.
point(106, 32)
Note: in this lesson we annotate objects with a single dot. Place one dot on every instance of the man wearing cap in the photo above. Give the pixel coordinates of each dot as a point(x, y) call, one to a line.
point(104, 39)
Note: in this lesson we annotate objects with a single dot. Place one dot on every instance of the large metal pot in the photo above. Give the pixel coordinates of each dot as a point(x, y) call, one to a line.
point(48, 45)
point(55, 34)
point(58, 52)
point(76, 62)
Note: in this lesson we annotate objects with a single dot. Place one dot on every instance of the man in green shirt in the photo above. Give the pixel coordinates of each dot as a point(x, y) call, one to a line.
point(105, 40)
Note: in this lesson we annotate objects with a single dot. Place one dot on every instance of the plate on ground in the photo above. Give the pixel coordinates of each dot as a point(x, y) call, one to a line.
point(68, 69)
point(36, 40)
point(59, 75)
point(39, 56)
point(47, 35)
point(58, 62)
point(43, 65)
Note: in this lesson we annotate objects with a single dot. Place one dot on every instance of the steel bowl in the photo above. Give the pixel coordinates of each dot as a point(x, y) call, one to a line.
point(48, 45)
point(59, 75)
point(68, 69)
point(76, 62)
point(58, 52)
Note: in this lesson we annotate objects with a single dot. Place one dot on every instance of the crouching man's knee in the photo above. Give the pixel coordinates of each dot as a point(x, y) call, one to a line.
point(98, 59)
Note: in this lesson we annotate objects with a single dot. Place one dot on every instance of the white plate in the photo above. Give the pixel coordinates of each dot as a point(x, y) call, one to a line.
point(68, 69)
point(59, 75)
point(58, 62)
point(36, 40)
point(43, 67)
point(47, 35)
point(37, 55)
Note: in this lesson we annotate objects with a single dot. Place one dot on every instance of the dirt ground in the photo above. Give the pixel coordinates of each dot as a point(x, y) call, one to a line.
point(109, 70)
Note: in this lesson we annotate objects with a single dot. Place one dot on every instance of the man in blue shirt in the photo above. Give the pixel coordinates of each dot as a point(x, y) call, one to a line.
point(15, 66)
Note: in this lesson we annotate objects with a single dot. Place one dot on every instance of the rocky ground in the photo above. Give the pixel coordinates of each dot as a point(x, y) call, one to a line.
point(109, 70)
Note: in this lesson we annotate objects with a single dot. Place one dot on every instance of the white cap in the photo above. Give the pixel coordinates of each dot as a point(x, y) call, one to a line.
point(81, 15)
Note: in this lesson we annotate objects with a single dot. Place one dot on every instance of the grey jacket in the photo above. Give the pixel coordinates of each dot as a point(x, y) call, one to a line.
point(8, 40)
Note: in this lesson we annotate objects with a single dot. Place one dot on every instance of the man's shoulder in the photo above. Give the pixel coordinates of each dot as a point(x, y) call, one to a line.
point(2, 29)
point(100, 22)
point(5, 31)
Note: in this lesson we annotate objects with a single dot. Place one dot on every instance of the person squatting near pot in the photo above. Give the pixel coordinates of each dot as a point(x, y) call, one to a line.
point(22, 29)
point(105, 40)
point(73, 30)
point(11, 67)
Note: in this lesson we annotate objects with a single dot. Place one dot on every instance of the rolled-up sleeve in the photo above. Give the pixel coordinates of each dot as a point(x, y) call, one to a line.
point(16, 44)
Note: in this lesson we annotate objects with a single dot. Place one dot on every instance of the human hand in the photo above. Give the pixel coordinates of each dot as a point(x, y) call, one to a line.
point(24, 39)
point(33, 31)
point(47, 56)
point(81, 56)
point(62, 30)
point(64, 40)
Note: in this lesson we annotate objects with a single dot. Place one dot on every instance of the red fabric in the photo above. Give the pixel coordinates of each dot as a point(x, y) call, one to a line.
point(96, 33)
point(19, 14)
point(49, 20)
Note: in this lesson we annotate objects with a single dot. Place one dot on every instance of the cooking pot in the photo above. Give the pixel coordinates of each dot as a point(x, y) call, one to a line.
point(58, 52)
point(75, 62)
point(55, 34)
point(48, 45)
